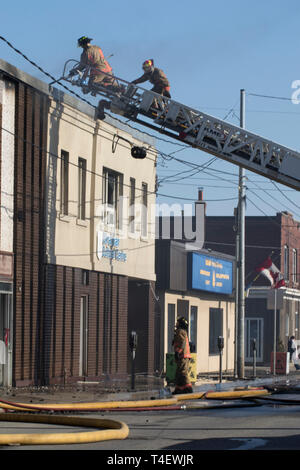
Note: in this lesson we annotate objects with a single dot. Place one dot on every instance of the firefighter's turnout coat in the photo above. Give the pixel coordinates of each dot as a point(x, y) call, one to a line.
point(182, 358)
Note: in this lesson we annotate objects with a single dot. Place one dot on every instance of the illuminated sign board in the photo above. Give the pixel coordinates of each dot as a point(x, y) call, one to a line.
point(209, 273)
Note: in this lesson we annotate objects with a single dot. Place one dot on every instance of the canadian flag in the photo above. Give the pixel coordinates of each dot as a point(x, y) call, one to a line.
point(268, 269)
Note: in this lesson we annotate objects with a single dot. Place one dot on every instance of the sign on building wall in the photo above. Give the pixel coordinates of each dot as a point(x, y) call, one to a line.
point(108, 247)
point(209, 273)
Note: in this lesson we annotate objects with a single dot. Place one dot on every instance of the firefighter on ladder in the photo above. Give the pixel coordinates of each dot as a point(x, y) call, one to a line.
point(155, 76)
point(182, 357)
point(92, 60)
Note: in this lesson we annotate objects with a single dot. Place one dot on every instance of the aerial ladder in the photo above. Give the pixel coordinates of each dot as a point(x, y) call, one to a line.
point(199, 130)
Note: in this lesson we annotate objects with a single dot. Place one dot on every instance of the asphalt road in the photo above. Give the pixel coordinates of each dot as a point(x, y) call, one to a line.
point(266, 427)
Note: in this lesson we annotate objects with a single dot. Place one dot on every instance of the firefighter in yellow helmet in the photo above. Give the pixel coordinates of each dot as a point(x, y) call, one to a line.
point(155, 76)
point(182, 357)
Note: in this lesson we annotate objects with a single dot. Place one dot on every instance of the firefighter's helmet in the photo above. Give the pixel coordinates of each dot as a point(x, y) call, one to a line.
point(83, 41)
point(182, 323)
point(148, 65)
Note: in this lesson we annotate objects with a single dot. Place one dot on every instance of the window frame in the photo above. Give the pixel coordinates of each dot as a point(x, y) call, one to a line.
point(82, 167)
point(64, 183)
point(286, 262)
point(116, 178)
point(295, 265)
point(144, 211)
point(131, 215)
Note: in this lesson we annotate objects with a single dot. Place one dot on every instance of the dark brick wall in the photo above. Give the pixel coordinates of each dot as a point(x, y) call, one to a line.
point(290, 236)
point(107, 325)
point(30, 157)
point(262, 238)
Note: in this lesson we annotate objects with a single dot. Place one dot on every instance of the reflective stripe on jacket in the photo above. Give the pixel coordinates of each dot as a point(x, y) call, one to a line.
point(94, 57)
point(181, 343)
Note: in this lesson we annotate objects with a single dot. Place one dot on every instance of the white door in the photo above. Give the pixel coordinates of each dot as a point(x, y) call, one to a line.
point(254, 330)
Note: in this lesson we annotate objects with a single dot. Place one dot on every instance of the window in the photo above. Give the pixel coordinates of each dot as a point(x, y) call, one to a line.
point(286, 262)
point(171, 326)
point(295, 267)
point(83, 351)
point(132, 206)
point(183, 307)
point(193, 327)
point(144, 211)
point(64, 183)
point(112, 197)
point(215, 329)
point(81, 188)
point(85, 277)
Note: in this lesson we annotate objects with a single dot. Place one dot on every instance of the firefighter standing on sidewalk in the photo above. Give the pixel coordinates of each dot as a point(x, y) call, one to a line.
point(182, 357)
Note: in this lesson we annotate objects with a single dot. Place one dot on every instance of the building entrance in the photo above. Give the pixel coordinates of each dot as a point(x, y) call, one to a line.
point(5, 334)
point(254, 330)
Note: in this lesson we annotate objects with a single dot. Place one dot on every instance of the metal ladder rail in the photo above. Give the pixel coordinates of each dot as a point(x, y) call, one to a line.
point(207, 133)
point(224, 140)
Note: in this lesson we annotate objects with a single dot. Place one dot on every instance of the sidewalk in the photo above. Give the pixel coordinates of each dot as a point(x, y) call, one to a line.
point(146, 388)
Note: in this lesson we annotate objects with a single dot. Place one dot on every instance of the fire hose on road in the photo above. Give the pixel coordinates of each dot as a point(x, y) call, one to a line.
point(113, 430)
point(24, 412)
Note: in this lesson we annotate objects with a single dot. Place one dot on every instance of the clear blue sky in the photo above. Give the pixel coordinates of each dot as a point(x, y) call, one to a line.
point(209, 51)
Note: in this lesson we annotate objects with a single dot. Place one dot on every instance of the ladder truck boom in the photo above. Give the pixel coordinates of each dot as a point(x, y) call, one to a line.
point(200, 130)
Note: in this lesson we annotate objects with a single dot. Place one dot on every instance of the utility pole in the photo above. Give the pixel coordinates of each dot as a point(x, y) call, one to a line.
point(241, 258)
point(237, 277)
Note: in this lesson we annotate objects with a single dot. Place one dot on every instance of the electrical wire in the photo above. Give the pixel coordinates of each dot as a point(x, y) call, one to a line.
point(231, 110)
point(81, 98)
point(93, 172)
point(269, 96)
point(71, 91)
point(212, 160)
point(278, 189)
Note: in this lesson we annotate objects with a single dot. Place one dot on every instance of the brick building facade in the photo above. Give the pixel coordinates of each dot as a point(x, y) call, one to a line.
point(72, 308)
point(276, 236)
point(279, 237)
point(29, 197)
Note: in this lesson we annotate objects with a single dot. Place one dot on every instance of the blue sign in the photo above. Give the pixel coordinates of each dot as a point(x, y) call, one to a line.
point(209, 273)
point(108, 247)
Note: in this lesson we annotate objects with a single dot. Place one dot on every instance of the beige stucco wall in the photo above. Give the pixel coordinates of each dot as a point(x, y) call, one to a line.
point(72, 242)
point(205, 362)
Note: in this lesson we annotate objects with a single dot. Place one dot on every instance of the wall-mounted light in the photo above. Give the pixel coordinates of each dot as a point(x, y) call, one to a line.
point(136, 151)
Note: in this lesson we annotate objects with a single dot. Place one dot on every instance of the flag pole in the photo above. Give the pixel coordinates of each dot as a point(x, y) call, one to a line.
point(275, 327)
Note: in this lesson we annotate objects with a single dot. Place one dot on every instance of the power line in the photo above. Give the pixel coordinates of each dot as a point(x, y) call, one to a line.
point(285, 195)
point(269, 96)
point(231, 110)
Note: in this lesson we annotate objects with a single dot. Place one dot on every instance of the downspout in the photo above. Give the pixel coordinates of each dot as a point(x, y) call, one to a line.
point(93, 238)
